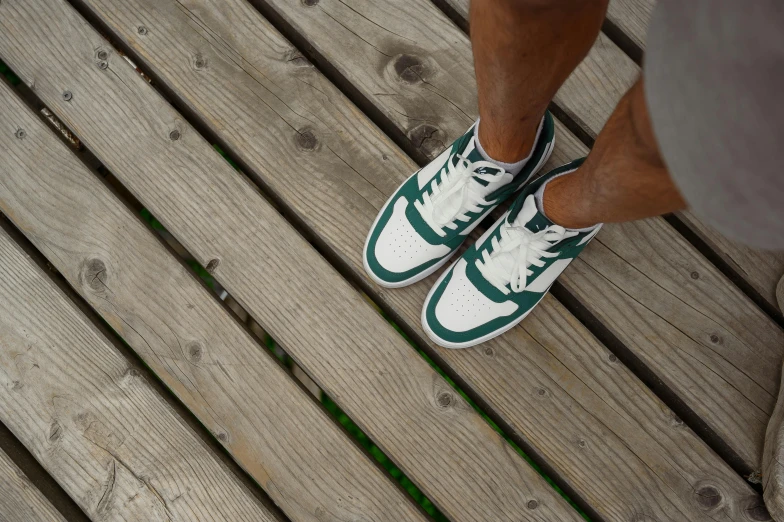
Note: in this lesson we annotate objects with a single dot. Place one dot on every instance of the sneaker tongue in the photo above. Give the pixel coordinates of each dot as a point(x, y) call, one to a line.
point(530, 218)
point(476, 188)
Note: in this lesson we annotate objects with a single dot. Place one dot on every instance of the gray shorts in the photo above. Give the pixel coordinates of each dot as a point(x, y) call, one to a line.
point(714, 84)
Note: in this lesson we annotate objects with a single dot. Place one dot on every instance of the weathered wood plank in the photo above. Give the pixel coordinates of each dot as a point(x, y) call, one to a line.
point(773, 461)
point(753, 336)
point(321, 321)
point(20, 500)
point(638, 450)
point(266, 422)
point(631, 17)
point(761, 269)
point(93, 421)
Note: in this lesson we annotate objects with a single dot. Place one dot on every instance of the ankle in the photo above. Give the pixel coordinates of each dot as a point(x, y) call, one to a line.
point(560, 201)
point(507, 147)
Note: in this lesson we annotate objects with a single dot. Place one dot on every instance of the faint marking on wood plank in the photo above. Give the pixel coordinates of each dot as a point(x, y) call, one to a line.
point(270, 426)
point(93, 421)
point(20, 500)
point(327, 327)
point(629, 439)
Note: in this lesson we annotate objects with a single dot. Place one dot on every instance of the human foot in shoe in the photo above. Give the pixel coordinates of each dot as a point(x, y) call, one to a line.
point(499, 280)
point(429, 216)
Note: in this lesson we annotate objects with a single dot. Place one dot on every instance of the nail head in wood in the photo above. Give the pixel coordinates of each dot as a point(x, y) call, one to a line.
point(199, 62)
point(21, 134)
point(310, 3)
point(715, 339)
point(102, 55)
point(103, 65)
point(174, 135)
point(532, 504)
point(695, 275)
point(67, 95)
point(612, 358)
point(142, 30)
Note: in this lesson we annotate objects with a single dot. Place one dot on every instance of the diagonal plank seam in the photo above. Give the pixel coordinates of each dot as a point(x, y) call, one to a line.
point(20, 456)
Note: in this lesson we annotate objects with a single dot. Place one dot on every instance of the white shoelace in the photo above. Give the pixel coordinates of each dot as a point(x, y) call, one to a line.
point(518, 249)
point(458, 193)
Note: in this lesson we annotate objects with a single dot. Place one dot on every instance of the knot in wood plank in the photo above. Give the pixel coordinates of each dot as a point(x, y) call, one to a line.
point(707, 496)
point(409, 68)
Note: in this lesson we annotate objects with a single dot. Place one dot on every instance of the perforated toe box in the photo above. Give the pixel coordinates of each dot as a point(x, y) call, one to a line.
point(400, 248)
point(462, 307)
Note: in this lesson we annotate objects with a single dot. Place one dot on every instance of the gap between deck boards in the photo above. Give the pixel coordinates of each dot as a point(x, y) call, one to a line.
point(48, 485)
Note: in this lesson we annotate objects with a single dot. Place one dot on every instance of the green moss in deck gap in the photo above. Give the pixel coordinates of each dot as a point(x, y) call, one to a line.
point(226, 157)
point(382, 459)
point(485, 417)
point(9, 74)
point(150, 219)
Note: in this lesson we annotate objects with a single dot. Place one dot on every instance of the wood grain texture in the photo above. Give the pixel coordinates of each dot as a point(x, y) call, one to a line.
point(631, 17)
point(20, 500)
point(773, 461)
point(710, 305)
point(265, 421)
point(760, 268)
point(352, 353)
point(606, 435)
point(93, 421)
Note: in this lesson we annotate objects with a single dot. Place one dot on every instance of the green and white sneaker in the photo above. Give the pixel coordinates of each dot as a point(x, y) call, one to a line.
point(427, 219)
point(499, 280)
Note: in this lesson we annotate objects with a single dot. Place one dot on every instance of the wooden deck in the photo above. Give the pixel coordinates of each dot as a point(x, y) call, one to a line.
point(641, 388)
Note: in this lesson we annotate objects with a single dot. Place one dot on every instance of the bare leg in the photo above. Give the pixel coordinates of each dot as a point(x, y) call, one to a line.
point(623, 178)
point(523, 51)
